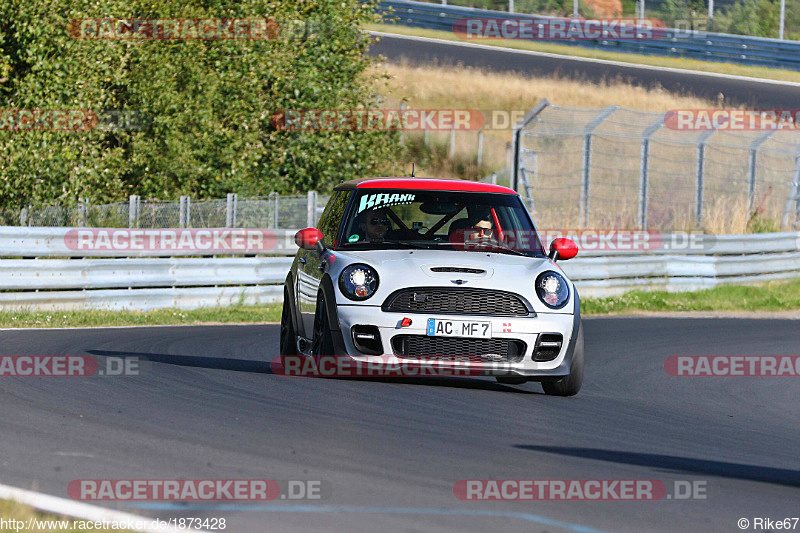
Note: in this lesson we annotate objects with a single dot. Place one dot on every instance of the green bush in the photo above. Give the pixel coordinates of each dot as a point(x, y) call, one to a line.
point(754, 17)
point(208, 102)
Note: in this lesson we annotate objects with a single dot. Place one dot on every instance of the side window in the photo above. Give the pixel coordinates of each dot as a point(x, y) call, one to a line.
point(331, 219)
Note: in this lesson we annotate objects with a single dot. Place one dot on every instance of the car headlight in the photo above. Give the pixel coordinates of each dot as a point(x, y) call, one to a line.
point(552, 289)
point(358, 282)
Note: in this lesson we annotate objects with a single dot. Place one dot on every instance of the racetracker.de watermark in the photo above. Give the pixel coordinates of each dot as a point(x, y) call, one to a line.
point(198, 490)
point(557, 29)
point(621, 240)
point(382, 366)
point(174, 29)
point(406, 119)
point(67, 366)
point(578, 489)
point(177, 240)
point(733, 365)
point(30, 120)
point(733, 119)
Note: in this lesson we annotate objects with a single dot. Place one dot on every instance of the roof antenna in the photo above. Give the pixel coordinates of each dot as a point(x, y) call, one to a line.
point(413, 173)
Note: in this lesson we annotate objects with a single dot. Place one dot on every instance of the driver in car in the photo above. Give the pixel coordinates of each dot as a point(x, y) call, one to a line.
point(481, 230)
point(375, 225)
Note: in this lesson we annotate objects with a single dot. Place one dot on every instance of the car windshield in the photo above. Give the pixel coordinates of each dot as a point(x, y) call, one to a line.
point(462, 221)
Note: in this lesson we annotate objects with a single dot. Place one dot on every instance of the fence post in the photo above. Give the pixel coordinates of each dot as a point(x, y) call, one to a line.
point(700, 175)
point(644, 168)
point(275, 218)
point(480, 147)
point(752, 166)
point(182, 212)
point(133, 211)
point(426, 136)
point(452, 141)
point(510, 163)
point(516, 138)
point(23, 217)
point(402, 121)
point(527, 185)
point(83, 212)
point(794, 195)
point(586, 167)
point(230, 210)
point(311, 213)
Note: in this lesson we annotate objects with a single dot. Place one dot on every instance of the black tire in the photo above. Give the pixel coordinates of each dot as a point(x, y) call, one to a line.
point(569, 385)
point(288, 335)
point(511, 380)
point(322, 343)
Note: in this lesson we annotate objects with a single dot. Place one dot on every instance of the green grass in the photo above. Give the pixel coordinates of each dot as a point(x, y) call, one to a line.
point(671, 62)
point(212, 315)
point(771, 296)
point(16, 511)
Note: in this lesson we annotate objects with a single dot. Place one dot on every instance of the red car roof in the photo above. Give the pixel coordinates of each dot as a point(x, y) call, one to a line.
point(426, 184)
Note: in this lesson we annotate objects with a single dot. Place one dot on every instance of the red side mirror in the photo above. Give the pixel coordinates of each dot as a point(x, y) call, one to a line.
point(563, 249)
point(307, 238)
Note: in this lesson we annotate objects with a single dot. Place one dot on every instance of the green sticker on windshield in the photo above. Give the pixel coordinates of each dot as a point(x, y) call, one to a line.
point(353, 238)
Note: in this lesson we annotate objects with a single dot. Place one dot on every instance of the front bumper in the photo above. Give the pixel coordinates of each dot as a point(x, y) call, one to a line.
point(525, 329)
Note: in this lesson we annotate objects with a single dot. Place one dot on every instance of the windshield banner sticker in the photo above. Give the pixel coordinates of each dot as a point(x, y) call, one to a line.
point(381, 200)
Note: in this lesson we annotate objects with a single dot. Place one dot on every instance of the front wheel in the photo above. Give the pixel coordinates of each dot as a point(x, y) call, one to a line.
point(570, 384)
point(322, 344)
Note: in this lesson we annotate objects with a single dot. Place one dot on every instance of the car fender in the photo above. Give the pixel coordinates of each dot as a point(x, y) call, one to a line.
point(326, 287)
point(289, 286)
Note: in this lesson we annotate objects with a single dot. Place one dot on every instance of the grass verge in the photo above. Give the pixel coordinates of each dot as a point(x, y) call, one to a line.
point(577, 51)
point(10, 510)
point(770, 296)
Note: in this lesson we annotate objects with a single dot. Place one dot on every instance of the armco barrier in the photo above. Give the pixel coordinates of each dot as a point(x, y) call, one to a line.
point(707, 46)
point(40, 272)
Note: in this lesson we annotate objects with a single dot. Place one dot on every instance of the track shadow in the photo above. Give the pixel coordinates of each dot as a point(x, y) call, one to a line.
point(671, 463)
point(264, 367)
point(214, 363)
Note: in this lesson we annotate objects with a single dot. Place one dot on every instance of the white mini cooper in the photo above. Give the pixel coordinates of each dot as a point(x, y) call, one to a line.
point(402, 269)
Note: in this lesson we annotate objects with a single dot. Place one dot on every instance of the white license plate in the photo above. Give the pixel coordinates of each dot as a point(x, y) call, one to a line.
point(459, 328)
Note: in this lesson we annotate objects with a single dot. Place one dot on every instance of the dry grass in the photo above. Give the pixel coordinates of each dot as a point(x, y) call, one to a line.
point(470, 88)
point(12, 510)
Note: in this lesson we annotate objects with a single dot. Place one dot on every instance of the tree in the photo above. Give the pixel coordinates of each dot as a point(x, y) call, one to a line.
point(203, 107)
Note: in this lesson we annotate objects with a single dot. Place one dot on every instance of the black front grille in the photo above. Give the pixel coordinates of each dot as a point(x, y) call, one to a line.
point(424, 346)
point(461, 270)
point(456, 301)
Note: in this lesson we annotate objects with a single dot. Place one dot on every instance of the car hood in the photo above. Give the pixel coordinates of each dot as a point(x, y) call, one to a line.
point(399, 269)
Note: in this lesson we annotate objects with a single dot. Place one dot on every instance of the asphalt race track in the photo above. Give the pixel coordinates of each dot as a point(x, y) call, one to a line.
point(736, 90)
point(206, 406)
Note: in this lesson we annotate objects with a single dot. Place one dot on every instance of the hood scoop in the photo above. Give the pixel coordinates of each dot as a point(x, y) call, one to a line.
point(458, 270)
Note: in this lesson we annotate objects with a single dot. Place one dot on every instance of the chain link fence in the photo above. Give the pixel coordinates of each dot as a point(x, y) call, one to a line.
point(622, 168)
point(266, 212)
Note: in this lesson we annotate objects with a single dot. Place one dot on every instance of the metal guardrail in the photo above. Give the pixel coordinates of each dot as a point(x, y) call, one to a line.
point(707, 46)
point(52, 242)
point(48, 281)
